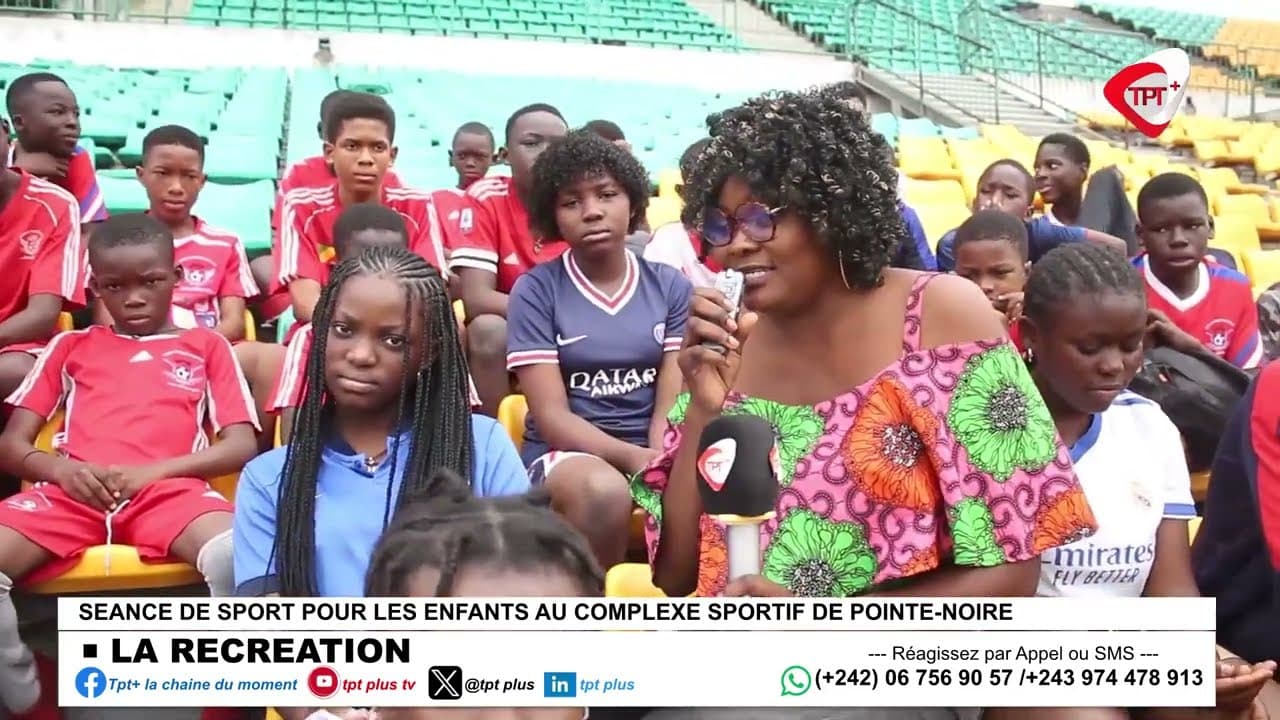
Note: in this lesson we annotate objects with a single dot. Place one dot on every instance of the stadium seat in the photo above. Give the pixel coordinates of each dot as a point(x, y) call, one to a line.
point(511, 414)
point(250, 327)
point(669, 181)
point(1200, 485)
point(1252, 207)
point(663, 210)
point(112, 568)
point(1263, 268)
point(66, 322)
point(938, 220)
point(933, 193)
point(631, 580)
point(1193, 527)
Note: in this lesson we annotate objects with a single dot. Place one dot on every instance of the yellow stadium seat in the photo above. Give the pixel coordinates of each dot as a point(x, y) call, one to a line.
point(926, 159)
point(632, 580)
point(111, 568)
point(1227, 178)
point(250, 327)
point(921, 193)
point(1262, 267)
point(460, 312)
point(511, 413)
point(938, 220)
point(1193, 527)
point(669, 181)
point(1254, 208)
point(273, 715)
point(1236, 233)
point(663, 210)
point(66, 322)
point(1199, 485)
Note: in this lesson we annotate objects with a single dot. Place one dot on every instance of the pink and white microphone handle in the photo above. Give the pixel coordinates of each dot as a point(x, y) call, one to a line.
point(743, 541)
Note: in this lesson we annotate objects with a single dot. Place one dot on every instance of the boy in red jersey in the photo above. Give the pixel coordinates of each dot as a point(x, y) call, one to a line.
point(1193, 304)
point(44, 263)
point(46, 118)
point(498, 247)
point(146, 486)
point(471, 153)
point(360, 134)
point(313, 172)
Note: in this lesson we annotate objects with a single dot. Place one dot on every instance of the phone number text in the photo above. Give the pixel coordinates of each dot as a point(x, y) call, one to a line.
point(874, 678)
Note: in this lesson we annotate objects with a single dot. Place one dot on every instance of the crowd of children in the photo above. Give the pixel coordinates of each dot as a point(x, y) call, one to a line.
point(391, 477)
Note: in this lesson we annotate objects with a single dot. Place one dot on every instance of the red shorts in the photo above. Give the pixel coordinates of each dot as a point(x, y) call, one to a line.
point(271, 305)
point(66, 527)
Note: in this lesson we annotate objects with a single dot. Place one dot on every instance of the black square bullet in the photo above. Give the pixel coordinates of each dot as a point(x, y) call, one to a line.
point(90, 651)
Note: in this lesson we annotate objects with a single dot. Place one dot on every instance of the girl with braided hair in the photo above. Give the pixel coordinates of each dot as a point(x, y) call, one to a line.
point(905, 419)
point(1084, 323)
point(385, 405)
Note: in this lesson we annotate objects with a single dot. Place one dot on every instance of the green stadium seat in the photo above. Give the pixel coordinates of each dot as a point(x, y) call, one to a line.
point(123, 194)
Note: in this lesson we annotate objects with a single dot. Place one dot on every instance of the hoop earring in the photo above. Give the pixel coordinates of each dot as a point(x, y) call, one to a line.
point(840, 261)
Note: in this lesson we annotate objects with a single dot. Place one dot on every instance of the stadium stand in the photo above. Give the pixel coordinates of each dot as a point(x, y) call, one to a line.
point(1172, 25)
point(661, 23)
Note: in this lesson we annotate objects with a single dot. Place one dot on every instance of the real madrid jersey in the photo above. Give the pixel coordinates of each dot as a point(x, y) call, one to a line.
point(1131, 465)
point(608, 346)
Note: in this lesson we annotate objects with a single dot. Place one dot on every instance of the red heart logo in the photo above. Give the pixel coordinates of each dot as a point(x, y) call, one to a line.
point(1116, 88)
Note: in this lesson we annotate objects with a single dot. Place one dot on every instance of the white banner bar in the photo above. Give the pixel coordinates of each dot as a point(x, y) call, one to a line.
point(290, 668)
point(917, 614)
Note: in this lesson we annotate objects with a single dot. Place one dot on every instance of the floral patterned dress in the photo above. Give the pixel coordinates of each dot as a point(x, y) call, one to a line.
point(947, 456)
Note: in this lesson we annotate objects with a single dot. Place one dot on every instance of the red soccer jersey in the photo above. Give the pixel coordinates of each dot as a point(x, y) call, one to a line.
point(499, 240)
point(1221, 313)
point(455, 213)
point(40, 247)
point(292, 381)
point(81, 181)
point(163, 390)
point(307, 235)
point(214, 266)
point(314, 172)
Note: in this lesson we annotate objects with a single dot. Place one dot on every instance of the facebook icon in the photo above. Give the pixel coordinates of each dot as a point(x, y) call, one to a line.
point(91, 682)
point(559, 684)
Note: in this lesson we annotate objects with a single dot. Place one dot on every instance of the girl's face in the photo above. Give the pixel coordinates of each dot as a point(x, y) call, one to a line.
point(1089, 350)
point(993, 265)
point(364, 360)
point(1004, 188)
point(783, 275)
point(593, 213)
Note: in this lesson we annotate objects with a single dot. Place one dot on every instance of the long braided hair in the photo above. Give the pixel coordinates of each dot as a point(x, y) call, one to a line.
point(450, 529)
point(433, 401)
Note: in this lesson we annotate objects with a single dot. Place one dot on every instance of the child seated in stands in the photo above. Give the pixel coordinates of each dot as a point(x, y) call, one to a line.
point(593, 336)
point(359, 141)
point(132, 461)
point(46, 120)
point(1007, 186)
point(1084, 325)
point(471, 153)
point(1193, 304)
point(991, 251)
point(1061, 168)
point(497, 247)
point(44, 266)
point(385, 405)
point(359, 228)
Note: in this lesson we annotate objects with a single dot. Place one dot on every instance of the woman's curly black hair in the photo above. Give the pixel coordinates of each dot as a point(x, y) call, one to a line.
point(578, 155)
point(814, 156)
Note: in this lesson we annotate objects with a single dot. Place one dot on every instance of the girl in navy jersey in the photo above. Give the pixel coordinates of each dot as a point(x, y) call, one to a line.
point(1085, 318)
point(592, 336)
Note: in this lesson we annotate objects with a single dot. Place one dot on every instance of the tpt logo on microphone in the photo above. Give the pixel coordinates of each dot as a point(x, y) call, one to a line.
point(716, 462)
point(1149, 92)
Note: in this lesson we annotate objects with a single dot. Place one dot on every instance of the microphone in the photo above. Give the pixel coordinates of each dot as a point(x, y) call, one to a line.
point(738, 469)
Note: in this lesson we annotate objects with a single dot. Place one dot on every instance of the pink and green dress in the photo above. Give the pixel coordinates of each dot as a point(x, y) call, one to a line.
point(947, 456)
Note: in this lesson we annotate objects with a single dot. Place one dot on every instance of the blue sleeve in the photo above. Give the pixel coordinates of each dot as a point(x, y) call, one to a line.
point(679, 292)
point(531, 323)
point(498, 470)
point(946, 254)
point(916, 230)
point(1043, 236)
point(253, 530)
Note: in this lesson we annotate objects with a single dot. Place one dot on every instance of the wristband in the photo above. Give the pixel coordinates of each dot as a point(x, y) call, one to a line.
point(25, 458)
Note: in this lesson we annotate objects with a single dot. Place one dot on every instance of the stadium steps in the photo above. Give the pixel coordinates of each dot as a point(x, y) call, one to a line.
point(756, 28)
point(966, 100)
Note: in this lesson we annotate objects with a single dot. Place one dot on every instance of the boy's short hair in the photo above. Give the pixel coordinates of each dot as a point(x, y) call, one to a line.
point(474, 128)
point(1170, 185)
point(365, 216)
point(22, 86)
point(993, 225)
point(1022, 169)
point(357, 106)
point(606, 129)
point(1076, 151)
point(130, 229)
point(172, 135)
point(527, 110)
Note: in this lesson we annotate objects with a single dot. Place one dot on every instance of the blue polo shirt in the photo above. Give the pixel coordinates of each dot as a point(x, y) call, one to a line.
point(349, 508)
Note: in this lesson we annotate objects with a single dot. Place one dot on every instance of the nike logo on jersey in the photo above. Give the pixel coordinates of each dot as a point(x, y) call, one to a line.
point(511, 259)
point(142, 356)
point(562, 341)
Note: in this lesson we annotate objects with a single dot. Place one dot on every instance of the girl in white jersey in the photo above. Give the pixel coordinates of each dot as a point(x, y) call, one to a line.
point(1083, 326)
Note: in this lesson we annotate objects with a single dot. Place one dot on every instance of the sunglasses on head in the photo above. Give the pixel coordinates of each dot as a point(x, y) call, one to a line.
point(755, 220)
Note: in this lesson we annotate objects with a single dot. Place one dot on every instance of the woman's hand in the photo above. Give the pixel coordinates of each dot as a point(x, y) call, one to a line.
point(755, 586)
point(709, 374)
point(1238, 684)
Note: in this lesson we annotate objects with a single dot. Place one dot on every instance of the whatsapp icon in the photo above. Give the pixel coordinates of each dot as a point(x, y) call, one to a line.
point(796, 681)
